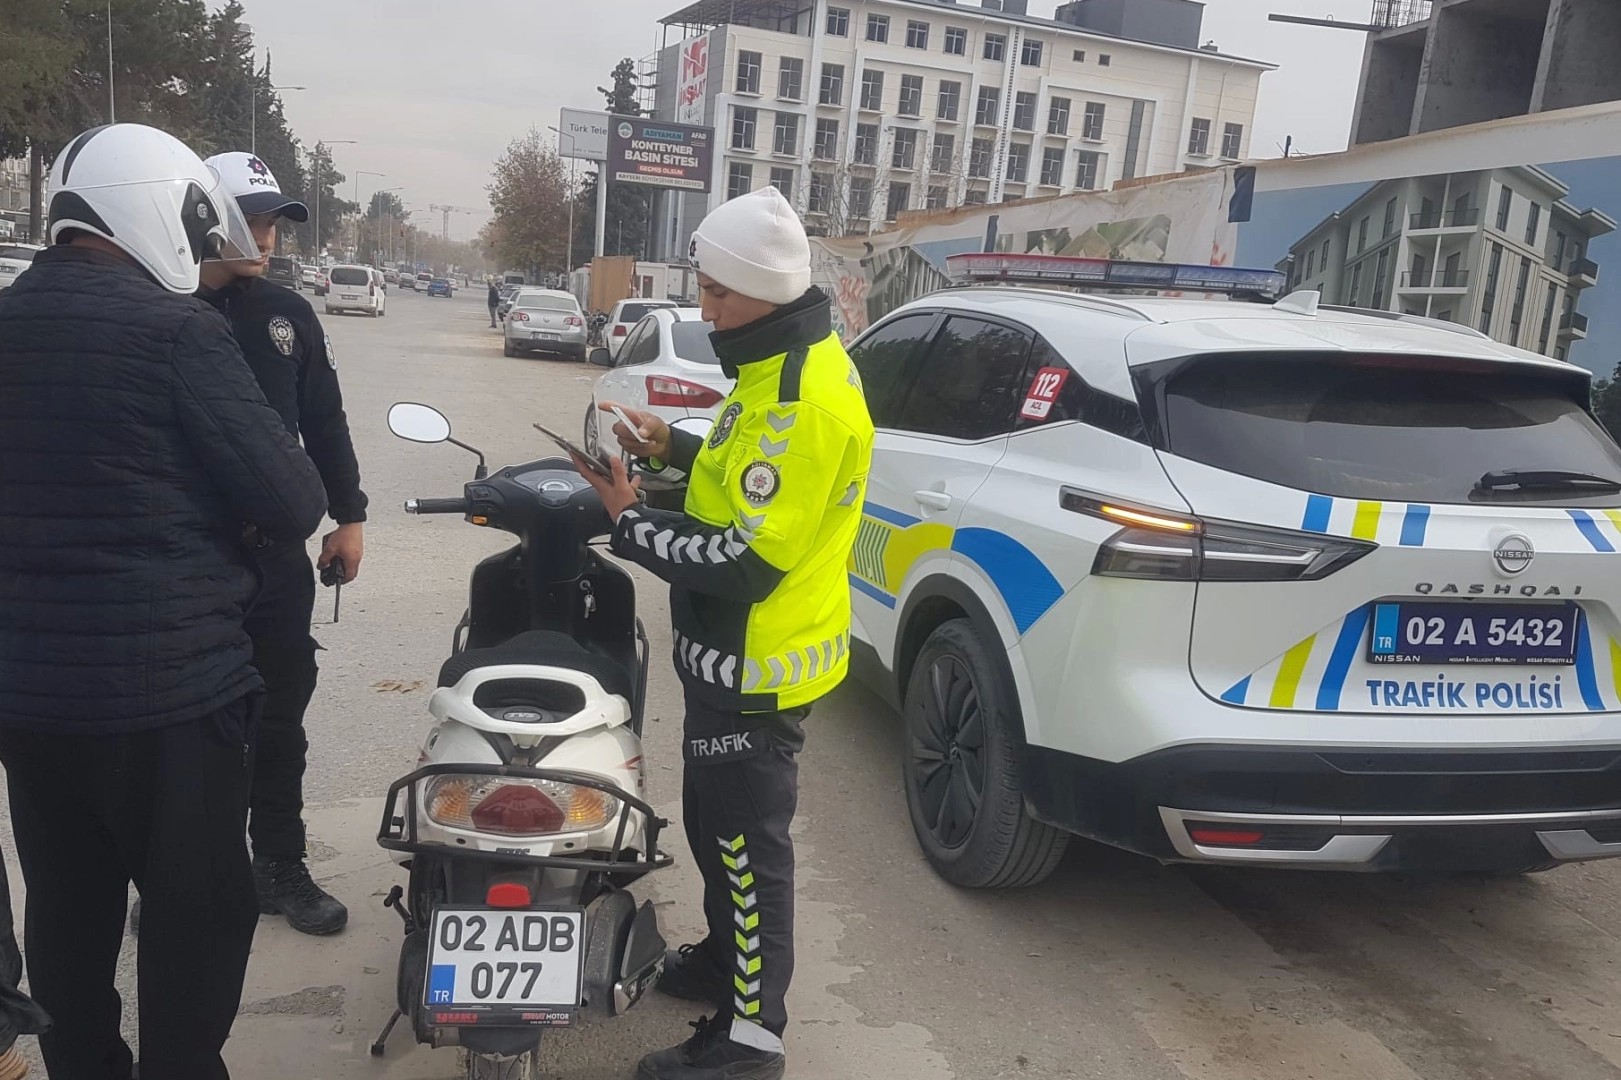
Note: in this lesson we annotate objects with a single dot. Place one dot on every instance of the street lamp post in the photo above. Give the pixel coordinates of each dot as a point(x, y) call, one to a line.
point(320, 182)
point(568, 268)
point(253, 115)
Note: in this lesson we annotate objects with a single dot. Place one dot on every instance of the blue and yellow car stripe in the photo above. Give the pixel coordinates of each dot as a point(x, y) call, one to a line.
point(1366, 518)
point(889, 543)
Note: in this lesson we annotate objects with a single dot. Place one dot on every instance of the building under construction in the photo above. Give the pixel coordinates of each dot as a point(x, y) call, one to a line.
point(1434, 64)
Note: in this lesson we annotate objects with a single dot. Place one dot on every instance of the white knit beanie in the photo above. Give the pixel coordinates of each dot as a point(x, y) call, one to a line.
point(755, 245)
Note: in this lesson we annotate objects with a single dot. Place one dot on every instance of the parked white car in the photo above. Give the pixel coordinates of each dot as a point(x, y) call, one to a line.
point(623, 317)
point(666, 367)
point(14, 259)
point(356, 288)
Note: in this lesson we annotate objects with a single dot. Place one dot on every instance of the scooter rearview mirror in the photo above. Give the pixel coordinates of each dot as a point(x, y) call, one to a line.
point(418, 423)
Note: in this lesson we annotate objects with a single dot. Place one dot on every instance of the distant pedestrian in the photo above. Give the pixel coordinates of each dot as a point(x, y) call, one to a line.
point(493, 301)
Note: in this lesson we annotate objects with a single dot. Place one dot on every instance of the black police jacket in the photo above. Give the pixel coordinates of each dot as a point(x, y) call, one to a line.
point(293, 360)
point(292, 357)
point(135, 449)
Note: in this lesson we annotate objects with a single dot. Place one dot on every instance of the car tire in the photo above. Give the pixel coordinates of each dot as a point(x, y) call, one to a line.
point(588, 433)
point(963, 731)
point(507, 349)
point(329, 309)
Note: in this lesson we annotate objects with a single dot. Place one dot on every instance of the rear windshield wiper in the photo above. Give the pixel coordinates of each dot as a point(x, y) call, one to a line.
point(1546, 480)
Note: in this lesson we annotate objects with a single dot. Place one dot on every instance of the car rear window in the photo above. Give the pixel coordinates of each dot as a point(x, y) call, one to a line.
point(542, 302)
point(21, 254)
point(631, 314)
point(691, 342)
point(348, 275)
point(281, 264)
point(1373, 427)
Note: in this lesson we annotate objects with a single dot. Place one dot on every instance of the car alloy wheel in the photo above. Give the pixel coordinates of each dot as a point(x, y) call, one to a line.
point(948, 752)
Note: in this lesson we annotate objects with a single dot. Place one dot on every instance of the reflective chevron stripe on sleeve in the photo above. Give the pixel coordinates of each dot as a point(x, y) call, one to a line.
point(716, 548)
point(710, 665)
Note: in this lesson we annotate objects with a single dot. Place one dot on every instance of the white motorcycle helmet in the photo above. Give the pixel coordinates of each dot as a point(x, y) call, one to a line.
point(147, 192)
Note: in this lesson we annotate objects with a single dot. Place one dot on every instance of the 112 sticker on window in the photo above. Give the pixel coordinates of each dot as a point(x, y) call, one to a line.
point(1044, 391)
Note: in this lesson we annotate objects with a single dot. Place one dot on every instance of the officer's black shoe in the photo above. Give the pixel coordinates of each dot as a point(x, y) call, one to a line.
point(286, 888)
point(692, 973)
point(712, 1054)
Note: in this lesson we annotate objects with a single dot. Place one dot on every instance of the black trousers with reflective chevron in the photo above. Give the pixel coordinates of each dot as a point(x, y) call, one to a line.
point(739, 793)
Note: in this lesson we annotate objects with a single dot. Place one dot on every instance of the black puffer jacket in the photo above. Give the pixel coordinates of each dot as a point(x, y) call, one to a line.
point(135, 449)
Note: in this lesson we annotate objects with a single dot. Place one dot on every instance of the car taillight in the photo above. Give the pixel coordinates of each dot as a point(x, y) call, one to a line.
point(620, 330)
point(662, 390)
point(371, 290)
point(517, 806)
point(573, 320)
point(518, 316)
point(1164, 545)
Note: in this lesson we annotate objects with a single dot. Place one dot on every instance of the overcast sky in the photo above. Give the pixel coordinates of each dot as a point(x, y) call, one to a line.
point(434, 92)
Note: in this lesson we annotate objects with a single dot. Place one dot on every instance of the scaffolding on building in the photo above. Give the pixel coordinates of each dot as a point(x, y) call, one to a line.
point(1388, 14)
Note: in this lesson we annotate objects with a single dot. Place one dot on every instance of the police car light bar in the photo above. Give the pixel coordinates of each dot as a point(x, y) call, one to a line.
point(1113, 274)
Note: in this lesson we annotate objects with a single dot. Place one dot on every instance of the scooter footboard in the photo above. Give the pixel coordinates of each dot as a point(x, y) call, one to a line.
point(398, 830)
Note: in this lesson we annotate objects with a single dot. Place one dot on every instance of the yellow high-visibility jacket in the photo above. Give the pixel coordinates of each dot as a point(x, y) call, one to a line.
point(757, 562)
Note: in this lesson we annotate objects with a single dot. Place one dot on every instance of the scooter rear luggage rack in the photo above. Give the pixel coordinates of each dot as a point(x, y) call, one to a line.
point(399, 832)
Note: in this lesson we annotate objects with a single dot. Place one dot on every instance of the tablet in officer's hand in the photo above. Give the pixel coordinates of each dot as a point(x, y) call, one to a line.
point(597, 463)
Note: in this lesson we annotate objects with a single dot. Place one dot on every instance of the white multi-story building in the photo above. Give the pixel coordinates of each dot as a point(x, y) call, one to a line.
point(13, 193)
point(860, 110)
point(1499, 250)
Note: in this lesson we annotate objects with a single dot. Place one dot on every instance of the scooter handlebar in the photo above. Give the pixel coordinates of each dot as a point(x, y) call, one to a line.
point(437, 506)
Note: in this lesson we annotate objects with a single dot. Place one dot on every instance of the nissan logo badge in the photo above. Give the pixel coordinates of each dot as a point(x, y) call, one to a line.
point(1513, 554)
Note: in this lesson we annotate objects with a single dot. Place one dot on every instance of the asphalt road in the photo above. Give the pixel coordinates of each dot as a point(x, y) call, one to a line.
point(1115, 968)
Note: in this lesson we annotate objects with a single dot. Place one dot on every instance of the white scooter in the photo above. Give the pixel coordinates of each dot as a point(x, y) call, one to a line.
point(525, 823)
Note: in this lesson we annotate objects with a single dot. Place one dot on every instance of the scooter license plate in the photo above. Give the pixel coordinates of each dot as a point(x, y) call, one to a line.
point(494, 967)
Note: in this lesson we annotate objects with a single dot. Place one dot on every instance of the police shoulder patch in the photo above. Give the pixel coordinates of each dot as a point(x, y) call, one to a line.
point(760, 482)
point(331, 357)
point(723, 427)
point(282, 334)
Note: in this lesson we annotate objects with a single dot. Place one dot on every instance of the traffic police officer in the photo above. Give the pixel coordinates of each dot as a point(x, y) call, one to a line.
point(292, 358)
point(760, 599)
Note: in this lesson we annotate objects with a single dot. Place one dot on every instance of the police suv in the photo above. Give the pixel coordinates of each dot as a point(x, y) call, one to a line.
point(1262, 582)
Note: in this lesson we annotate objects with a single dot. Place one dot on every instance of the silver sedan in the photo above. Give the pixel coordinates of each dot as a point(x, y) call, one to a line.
point(545, 320)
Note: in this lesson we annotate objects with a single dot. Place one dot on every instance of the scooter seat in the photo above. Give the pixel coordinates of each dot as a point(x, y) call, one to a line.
point(544, 647)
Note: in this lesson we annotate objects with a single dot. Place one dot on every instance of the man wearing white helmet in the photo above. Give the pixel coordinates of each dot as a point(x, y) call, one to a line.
point(292, 357)
point(139, 456)
point(760, 601)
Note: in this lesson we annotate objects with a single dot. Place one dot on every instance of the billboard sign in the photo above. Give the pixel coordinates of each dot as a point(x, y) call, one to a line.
point(692, 92)
point(657, 153)
point(585, 135)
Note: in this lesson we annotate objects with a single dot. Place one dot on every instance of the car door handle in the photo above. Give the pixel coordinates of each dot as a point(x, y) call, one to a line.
point(933, 500)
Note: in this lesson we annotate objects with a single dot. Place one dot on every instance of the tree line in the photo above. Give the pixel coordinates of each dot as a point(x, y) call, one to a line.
point(175, 66)
point(533, 188)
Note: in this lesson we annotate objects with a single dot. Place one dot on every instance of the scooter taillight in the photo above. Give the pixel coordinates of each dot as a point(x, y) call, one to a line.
point(509, 806)
point(519, 810)
point(508, 894)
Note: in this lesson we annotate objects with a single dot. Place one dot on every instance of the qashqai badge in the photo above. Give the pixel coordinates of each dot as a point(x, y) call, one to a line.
point(1513, 554)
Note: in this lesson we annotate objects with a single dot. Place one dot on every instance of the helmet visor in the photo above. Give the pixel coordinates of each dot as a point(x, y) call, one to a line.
point(233, 239)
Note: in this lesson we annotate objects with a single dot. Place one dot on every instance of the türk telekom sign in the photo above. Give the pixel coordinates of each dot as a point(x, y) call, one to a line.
point(660, 154)
point(692, 92)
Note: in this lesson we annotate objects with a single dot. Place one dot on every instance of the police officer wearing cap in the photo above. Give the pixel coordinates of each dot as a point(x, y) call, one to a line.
point(292, 358)
point(760, 601)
